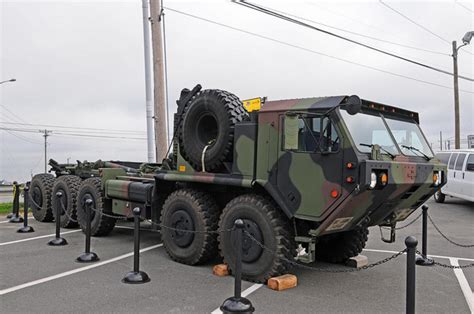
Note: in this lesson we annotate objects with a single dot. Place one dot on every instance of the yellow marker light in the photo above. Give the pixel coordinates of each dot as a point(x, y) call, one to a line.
point(253, 104)
point(182, 168)
point(435, 178)
point(383, 178)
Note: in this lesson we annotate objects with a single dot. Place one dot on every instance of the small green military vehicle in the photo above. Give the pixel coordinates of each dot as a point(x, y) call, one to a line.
point(307, 177)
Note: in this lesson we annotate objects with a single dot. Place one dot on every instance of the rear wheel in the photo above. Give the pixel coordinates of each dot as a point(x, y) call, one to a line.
point(186, 211)
point(101, 224)
point(69, 186)
point(439, 197)
point(339, 247)
point(40, 192)
point(265, 223)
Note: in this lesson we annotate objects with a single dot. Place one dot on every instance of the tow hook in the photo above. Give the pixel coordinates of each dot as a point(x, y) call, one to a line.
point(392, 234)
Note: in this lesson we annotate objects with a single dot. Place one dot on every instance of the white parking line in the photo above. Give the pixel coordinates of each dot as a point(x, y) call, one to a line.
point(429, 255)
point(74, 271)
point(5, 221)
point(245, 293)
point(466, 289)
point(39, 237)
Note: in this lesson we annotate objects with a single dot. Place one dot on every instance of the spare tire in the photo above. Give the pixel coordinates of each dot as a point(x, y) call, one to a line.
point(209, 120)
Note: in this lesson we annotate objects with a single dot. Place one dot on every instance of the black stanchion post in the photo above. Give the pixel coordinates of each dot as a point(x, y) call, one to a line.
point(26, 204)
point(423, 259)
point(15, 218)
point(411, 244)
point(238, 304)
point(88, 256)
point(58, 240)
point(136, 276)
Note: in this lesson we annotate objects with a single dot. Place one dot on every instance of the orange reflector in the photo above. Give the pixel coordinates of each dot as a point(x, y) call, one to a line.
point(334, 193)
point(435, 177)
point(350, 165)
point(350, 179)
point(383, 178)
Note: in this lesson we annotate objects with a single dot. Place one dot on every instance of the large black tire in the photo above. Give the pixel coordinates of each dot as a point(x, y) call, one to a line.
point(339, 247)
point(101, 225)
point(439, 197)
point(68, 185)
point(209, 119)
point(265, 222)
point(41, 188)
point(192, 210)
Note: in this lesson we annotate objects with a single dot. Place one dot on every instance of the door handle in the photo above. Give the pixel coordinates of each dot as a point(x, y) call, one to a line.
point(463, 175)
point(455, 174)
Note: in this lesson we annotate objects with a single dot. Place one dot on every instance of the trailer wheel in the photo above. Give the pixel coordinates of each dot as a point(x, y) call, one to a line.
point(69, 186)
point(40, 192)
point(339, 247)
point(439, 197)
point(189, 210)
point(266, 224)
point(101, 225)
point(209, 119)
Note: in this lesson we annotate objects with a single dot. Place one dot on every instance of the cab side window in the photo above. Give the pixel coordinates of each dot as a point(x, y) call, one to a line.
point(470, 163)
point(309, 135)
point(452, 160)
point(460, 161)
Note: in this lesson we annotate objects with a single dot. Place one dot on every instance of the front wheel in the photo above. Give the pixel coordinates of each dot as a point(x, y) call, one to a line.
point(439, 197)
point(269, 250)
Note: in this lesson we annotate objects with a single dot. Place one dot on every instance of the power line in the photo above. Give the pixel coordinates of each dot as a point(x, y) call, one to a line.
point(73, 134)
point(418, 24)
point(22, 137)
point(463, 6)
point(359, 34)
point(77, 128)
point(309, 50)
point(298, 22)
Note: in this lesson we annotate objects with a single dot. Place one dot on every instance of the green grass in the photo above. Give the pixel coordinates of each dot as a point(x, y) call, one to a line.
point(6, 208)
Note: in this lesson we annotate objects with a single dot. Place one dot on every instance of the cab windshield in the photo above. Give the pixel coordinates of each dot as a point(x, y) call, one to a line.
point(368, 129)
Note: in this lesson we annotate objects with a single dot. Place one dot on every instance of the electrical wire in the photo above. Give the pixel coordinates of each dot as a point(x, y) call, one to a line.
point(310, 50)
point(76, 129)
point(298, 22)
point(418, 24)
point(74, 134)
point(359, 34)
point(463, 6)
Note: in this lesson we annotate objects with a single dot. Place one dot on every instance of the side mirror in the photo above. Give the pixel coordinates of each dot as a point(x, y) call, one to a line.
point(291, 132)
point(353, 105)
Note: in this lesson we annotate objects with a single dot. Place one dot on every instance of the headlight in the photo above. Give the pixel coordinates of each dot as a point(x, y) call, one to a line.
point(373, 180)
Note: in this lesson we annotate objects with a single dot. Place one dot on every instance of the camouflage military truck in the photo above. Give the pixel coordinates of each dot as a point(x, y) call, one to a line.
point(310, 174)
point(67, 180)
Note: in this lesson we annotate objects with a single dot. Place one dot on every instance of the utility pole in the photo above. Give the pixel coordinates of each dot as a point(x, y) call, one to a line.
point(441, 140)
point(148, 81)
point(45, 135)
point(457, 129)
point(159, 79)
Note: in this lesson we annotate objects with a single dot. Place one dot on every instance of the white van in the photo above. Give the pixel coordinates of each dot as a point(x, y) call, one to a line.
point(460, 180)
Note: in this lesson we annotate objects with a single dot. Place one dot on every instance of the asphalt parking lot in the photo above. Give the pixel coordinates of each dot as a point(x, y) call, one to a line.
point(38, 278)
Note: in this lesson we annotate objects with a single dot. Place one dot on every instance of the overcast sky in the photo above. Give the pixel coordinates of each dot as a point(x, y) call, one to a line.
point(80, 64)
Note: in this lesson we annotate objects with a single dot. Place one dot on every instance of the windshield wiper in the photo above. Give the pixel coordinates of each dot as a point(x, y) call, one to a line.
point(381, 148)
point(416, 150)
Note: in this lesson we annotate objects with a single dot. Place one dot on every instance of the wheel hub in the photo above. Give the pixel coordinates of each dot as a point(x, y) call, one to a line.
point(183, 221)
point(251, 251)
point(37, 197)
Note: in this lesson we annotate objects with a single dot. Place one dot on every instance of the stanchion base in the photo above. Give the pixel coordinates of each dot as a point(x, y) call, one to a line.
point(136, 277)
point(26, 229)
point(237, 305)
point(57, 242)
point(423, 261)
point(87, 258)
point(16, 219)
point(10, 215)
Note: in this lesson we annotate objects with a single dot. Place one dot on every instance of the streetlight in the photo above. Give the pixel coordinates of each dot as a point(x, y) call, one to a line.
point(10, 80)
point(457, 130)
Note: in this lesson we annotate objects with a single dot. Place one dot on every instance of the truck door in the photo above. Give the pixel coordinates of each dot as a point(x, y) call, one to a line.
point(309, 173)
point(449, 188)
point(469, 178)
point(458, 175)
